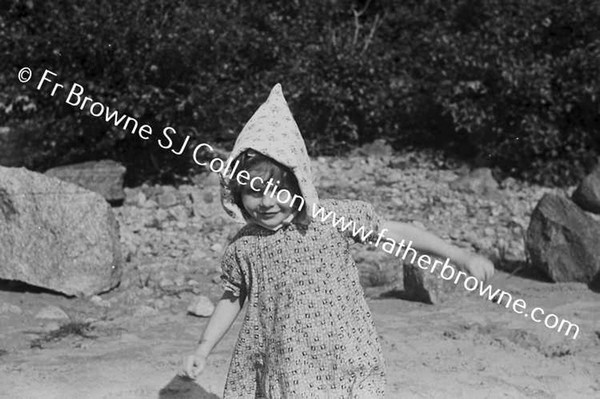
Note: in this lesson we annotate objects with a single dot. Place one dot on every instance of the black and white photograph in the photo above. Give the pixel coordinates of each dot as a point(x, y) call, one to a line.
point(329, 199)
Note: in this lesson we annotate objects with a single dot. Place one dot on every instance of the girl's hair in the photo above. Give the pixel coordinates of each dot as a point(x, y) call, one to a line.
point(257, 164)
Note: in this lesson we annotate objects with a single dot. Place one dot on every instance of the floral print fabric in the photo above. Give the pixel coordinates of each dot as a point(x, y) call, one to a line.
point(307, 332)
point(273, 132)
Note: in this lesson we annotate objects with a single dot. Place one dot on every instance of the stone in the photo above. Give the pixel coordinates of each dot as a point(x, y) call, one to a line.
point(378, 148)
point(167, 200)
point(423, 286)
point(103, 177)
point(140, 199)
point(179, 213)
point(479, 181)
point(56, 235)
point(216, 247)
point(131, 195)
point(98, 301)
point(562, 241)
point(201, 306)
point(587, 194)
point(52, 312)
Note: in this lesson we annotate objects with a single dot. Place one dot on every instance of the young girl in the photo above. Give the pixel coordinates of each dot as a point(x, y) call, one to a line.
point(308, 332)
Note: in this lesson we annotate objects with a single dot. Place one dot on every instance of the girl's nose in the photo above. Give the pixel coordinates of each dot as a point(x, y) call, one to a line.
point(267, 201)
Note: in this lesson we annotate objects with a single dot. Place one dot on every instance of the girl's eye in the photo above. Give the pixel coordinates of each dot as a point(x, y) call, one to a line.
point(253, 193)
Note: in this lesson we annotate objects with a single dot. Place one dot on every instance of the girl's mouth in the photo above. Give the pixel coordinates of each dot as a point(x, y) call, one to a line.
point(268, 214)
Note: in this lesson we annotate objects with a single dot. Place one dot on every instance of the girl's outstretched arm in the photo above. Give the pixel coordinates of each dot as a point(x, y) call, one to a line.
point(424, 241)
point(225, 313)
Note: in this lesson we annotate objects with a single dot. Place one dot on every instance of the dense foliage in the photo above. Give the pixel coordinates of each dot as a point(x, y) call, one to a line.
point(512, 83)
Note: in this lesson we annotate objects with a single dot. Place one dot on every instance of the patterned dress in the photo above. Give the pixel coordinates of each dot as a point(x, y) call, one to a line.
point(308, 332)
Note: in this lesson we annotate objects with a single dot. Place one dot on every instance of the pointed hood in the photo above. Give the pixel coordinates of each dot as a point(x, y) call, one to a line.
point(273, 132)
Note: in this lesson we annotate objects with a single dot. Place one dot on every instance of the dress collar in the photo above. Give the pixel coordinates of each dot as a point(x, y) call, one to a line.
point(284, 223)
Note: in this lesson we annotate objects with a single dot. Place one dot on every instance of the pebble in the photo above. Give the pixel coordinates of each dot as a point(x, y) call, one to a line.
point(167, 200)
point(98, 301)
point(198, 255)
point(201, 306)
point(52, 312)
point(150, 204)
point(141, 199)
point(165, 282)
point(216, 248)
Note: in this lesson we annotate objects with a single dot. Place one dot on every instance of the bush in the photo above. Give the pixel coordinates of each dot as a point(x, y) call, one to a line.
point(512, 82)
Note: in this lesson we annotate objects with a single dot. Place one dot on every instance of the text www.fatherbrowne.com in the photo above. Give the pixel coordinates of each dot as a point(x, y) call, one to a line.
point(449, 273)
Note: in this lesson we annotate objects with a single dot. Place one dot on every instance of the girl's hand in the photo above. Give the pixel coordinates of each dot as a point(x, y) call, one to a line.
point(193, 365)
point(479, 267)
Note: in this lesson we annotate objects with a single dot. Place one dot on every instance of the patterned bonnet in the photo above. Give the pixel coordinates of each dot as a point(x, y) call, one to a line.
point(273, 132)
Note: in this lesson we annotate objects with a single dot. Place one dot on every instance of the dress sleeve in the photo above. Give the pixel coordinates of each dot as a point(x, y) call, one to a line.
point(361, 222)
point(232, 279)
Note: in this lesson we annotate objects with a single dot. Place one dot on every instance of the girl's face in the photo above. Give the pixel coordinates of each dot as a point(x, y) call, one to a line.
point(264, 209)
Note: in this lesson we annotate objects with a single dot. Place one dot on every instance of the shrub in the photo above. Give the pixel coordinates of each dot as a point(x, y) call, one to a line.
point(512, 82)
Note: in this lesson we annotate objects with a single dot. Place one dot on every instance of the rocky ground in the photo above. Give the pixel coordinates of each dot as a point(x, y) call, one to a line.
point(128, 343)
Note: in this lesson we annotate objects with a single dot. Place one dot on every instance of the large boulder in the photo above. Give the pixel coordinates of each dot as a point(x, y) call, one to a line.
point(587, 195)
point(424, 286)
point(103, 177)
point(562, 240)
point(56, 235)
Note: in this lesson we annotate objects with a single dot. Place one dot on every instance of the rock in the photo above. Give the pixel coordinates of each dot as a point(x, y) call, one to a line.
point(98, 301)
point(587, 194)
point(479, 181)
point(165, 283)
point(150, 204)
point(201, 306)
point(179, 281)
point(212, 180)
point(140, 199)
point(103, 177)
point(378, 149)
point(159, 304)
point(423, 286)
point(167, 200)
point(218, 248)
point(52, 312)
point(179, 213)
point(202, 207)
point(131, 195)
point(10, 308)
point(562, 240)
point(56, 235)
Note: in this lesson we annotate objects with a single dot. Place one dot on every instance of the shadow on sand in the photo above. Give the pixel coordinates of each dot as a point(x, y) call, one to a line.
point(185, 388)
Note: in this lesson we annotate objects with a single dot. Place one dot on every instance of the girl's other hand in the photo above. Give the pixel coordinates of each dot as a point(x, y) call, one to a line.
point(193, 365)
point(479, 267)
